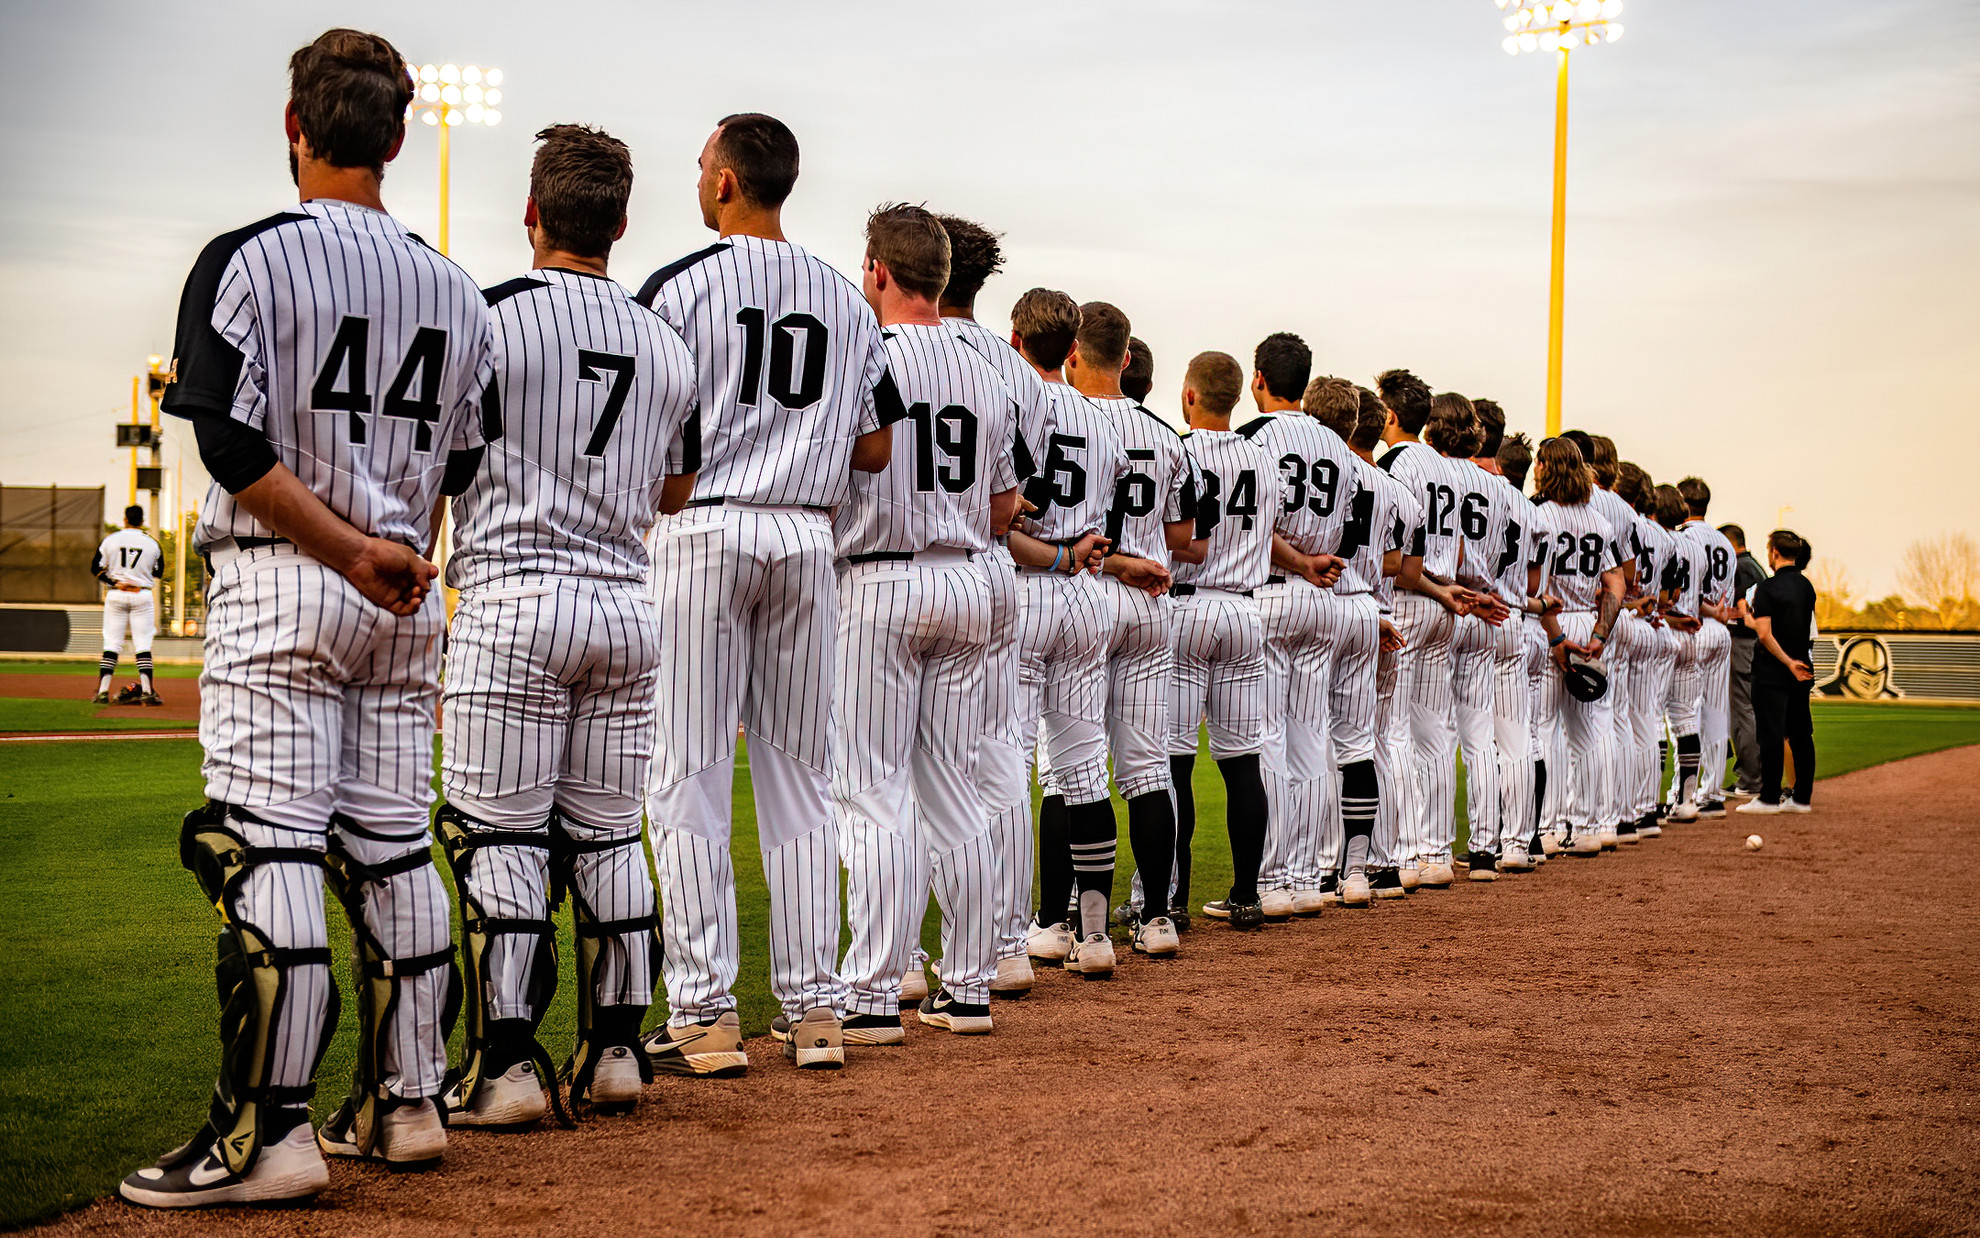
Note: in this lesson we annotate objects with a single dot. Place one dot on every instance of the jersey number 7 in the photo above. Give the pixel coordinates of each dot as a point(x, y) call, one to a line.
point(591, 369)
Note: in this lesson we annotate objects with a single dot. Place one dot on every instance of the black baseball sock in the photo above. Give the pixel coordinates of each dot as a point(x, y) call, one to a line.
point(1244, 796)
point(1687, 771)
point(1360, 798)
point(1093, 842)
point(1152, 836)
point(1539, 794)
point(107, 668)
point(1055, 873)
point(144, 670)
point(1181, 771)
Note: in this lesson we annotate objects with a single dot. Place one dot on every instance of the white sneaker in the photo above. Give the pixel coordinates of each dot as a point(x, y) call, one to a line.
point(1608, 839)
point(1684, 813)
point(1356, 891)
point(1586, 844)
point(1014, 977)
point(1760, 808)
point(1278, 904)
point(1092, 956)
point(1515, 860)
point(410, 1136)
point(914, 986)
point(817, 1041)
point(1652, 830)
point(513, 1098)
point(1407, 873)
point(1436, 871)
point(1307, 902)
point(290, 1169)
point(615, 1081)
point(1157, 938)
point(1550, 843)
point(1796, 806)
point(1049, 943)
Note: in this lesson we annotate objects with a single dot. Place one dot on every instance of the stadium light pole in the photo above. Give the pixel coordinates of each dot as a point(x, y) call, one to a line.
point(1558, 26)
point(447, 96)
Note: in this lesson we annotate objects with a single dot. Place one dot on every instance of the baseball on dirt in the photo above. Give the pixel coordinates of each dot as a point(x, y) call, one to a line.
point(1753, 842)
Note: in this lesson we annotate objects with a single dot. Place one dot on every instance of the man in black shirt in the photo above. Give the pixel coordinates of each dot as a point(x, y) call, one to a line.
point(1783, 619)
point(1747, 573)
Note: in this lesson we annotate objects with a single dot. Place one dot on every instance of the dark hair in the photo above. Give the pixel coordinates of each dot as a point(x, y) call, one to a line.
point(1453, 425)
point(1734, 534)
point(1669, 506)
point(1492, 419)
point(1103, 334)
point(1560, 475)
point(1791, 546)
point(913, 245)
point(1632, 484)
point(350, 91)
point(1046, 323)
point(1515, 457)
point(1583, 443)
point(762, 152)
point(974, 256)
point(1285, 362)
point(1374, 419)
point(134, 515)
point(1603, 461)
point(1138, 377)
point(1217, 379)
point(1696, 494)
point(1334, 403)
point(1407, 396)
point(581, 179)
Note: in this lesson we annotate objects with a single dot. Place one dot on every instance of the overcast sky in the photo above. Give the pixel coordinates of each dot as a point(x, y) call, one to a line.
point(1773, 238)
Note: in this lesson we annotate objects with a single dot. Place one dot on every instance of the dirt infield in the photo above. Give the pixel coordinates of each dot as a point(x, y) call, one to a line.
point(1683, 1038)
point(181, 696)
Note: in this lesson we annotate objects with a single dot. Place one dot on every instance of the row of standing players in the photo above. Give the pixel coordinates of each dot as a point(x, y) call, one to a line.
point(838, 570)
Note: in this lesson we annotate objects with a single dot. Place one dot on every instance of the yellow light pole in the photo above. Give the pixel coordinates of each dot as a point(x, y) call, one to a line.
point(1558, 26)
point(446, 96)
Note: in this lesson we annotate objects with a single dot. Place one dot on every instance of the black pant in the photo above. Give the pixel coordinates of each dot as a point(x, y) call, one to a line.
point(1781, 714)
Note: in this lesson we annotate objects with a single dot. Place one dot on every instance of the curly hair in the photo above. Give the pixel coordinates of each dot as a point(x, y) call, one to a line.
point(1453, 426)
point(975, 254)
point(1560, 475)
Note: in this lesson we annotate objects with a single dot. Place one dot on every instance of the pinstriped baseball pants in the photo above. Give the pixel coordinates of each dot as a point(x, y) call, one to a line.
point(1293, 745)
point(1394, 761)
point(1474, 658)
point(1003, 768)
point(1426, 629)
point(1512, 731)
point(1649, 681)
point(1591, 739)
point(1714, 707)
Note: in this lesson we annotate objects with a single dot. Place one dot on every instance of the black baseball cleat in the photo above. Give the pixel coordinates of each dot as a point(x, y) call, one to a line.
point(1484, 866)
point(150, 698)
point(1181, 920)
point(1387, 883)
point(941, 1009)
point(1249, 915)
point(130, 694)
point(101, 698)
point(1626, 832)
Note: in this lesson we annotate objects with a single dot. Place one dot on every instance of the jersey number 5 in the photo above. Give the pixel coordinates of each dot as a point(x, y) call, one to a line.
point(347, 364)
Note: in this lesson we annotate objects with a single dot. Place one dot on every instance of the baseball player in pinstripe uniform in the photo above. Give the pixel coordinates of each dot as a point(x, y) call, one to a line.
point(1426, 615)
point(128, 561)
point(1714, 647)
point(1064, 621)
point(794, 396)
point(1218, 675)
point(1138, 375)
point(1576, 559)
point(1650, 668)
point(1502, 561)
point(914, 624)
point(1600, 455)
point(331, 365)
point(553, 659)
point(1685, 583)
point(1153, 518)
point(1004, 761)
point(1521, 667)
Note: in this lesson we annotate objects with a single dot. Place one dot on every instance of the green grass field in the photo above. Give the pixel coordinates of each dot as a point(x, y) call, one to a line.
point(108, 1047)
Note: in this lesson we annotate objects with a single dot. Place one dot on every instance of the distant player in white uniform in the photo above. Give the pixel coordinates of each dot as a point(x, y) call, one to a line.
point(1303, 621)
point(1218, 676)
point(1426, 615)
point(794, 397)
point(1153, 517)
point(1004, 761)
point(1064, 619)
point(332, 366)
point(128, 561)
point(1503, 562)
point(908, 715)
point(1576, 559)
point(1522, 661)
point(1600, 454)
point(1650, 659)
point(1714, 647)
point(554, 657)
point(1684, 583)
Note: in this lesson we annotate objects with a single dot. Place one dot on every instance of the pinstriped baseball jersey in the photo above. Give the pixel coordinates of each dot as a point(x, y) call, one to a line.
point(1717, 559)
point(791, 368)
point(1370, 528)
point(951, 453)
point(1034, 402)
point(1686, 572)
point(1239, 476)
point(593, 402)
point(1321, 481)
point(1653, 552)
point(1438, 486)
point(1405, 534)
point(1573, 546)
point(1483, 510)
point(129, 557)
point(1620, 515)
point(1159, 487)
point(360, 353)
point(1080, 471)
point(1509, 580)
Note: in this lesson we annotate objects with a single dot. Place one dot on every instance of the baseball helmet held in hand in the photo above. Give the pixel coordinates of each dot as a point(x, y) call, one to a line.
point(1587, 679)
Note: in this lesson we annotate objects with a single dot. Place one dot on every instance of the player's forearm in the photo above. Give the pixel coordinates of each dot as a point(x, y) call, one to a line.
point(1028, 551)
point(1003, 509)
point(675, 492)
point(1607, 607)
point(873, 451)
point(280, 501)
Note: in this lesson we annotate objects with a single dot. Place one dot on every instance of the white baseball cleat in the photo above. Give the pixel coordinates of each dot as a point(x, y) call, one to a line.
point(1092, 957)
point(1684, 813)
point(1407, 874)
point(1796, 806)
point(1157, 938)
point(1608, 838)
point(1436, 871)
point(513, 1098)
point(914, 986)
point(1049, 943)
point(410, 1136)
point(817, 1041)
point(615, 1081)
point(1586, 845)
point(1014, 977)
point(1307, 902)
point(1356, 891)
point(292, 1168)
point(1550, 843)
point(1760, 808)
point(1278, 904)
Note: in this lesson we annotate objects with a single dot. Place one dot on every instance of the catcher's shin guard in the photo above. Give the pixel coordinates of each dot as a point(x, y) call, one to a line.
point(603, 1025)
point(377, 975)
point(248, 1113)
point(492, 1045)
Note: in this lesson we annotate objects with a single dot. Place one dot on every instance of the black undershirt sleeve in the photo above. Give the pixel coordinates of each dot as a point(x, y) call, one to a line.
point(235, 454)
point(461, 468)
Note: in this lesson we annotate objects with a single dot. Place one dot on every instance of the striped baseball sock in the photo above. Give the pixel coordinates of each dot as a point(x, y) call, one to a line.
point(1360, 800)
point(1687, 768)
point(1093, 842)
point(107, 668)
point(144, 670)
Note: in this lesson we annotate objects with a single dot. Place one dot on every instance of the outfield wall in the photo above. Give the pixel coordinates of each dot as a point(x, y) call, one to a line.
point(1926, 667)
point(71, 630)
